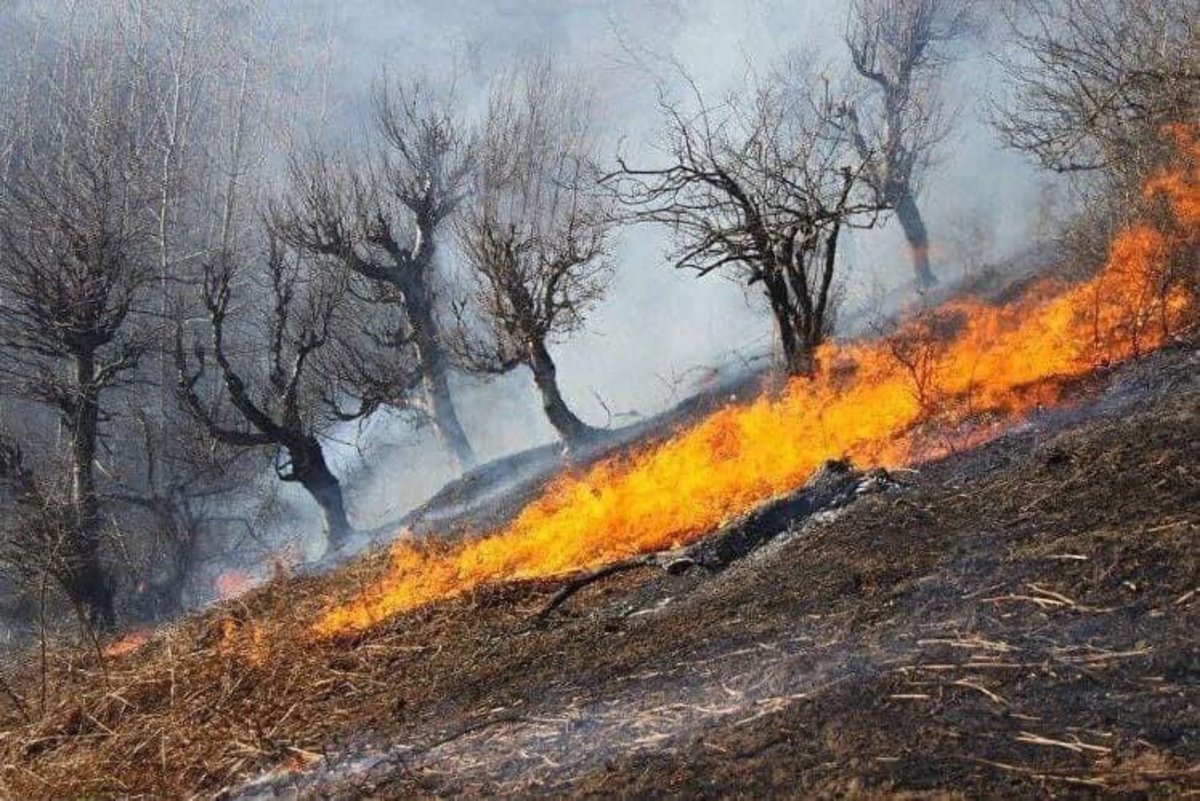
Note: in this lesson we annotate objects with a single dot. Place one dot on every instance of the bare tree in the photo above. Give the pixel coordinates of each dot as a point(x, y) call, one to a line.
point(765, 187)
point(74, 266)
point(282, 399)
point(1093, 81)
point(536, 233)
point(899, 49)
point(35, 537)
point(172, 104)
point(382, 221)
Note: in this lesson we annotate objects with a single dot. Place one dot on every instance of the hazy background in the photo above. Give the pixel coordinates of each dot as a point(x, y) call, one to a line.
point(643, 346)
point(657, 323)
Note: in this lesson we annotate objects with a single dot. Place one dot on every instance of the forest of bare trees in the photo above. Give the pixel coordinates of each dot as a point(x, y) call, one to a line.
point(200, 285)
point(129, 154)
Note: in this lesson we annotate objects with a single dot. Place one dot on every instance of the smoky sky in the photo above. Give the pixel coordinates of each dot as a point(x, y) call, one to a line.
point(656, 321)
point(658, 328)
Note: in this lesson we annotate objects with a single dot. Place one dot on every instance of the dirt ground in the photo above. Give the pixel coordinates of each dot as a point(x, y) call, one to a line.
point(1020, 621)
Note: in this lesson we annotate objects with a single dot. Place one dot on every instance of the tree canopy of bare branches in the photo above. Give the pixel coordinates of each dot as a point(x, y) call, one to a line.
point(536, 232)
point(762, 186)
point(287, 403)
point(74, 267)
point(141, 111)
point(381, 220)
point(899, 49)
point(1093, 81)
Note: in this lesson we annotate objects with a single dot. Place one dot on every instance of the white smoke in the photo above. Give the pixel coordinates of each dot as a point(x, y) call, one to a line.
point(657, 324)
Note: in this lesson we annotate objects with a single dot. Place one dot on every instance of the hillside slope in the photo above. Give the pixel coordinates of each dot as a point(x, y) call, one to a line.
point(1020, 619)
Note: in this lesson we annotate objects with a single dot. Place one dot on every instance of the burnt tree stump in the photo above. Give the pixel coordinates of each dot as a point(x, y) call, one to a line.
point(834, 485)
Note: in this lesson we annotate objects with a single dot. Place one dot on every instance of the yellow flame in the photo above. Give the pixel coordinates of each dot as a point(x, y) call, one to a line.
point(995, 363)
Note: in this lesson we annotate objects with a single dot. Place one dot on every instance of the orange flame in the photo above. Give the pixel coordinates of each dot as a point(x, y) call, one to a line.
point(1179, 186)
point(995, 364)
point(233, 583)
point(245, 640)
point(128, 644)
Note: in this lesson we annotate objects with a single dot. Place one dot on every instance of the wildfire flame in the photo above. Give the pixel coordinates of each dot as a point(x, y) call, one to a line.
point(243, 640)
point(128, 644)
point(981, 364)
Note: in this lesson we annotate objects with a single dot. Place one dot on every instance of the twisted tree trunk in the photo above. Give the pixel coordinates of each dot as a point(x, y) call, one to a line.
point(918, 238)
point(570, 428)
point(311, 470)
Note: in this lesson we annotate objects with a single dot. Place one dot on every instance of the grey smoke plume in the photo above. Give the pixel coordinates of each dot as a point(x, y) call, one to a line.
point(658, 323)
point(644, 343)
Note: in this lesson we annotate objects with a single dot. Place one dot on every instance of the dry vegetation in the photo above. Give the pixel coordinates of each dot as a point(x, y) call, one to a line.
point(1019, 621)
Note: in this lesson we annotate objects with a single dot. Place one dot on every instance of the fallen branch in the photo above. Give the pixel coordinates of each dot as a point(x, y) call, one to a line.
point(1078, 746)
point(1054, 777)
point(972, 643)
point(1042, 602)
point(834, 485)
point(1051, 594)
point(587, 579)
point(981, 689)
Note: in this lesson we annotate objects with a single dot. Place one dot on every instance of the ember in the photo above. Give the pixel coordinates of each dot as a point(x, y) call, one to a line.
point(128, 644)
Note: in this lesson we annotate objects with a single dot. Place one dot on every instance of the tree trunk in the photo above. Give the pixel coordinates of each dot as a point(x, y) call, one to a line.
point(800, 361)
point(797, 358)
point(545, 374)
point(313, 473)
point(918, 238)
point(433, 369)
point(85, 577)
point(87, 584)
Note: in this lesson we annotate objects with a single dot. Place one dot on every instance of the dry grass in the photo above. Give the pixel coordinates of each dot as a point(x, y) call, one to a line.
point(1013, 600)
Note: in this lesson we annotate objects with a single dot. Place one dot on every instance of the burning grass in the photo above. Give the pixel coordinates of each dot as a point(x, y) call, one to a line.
point(864, 402)
point(921, 579)
point(215, 699)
